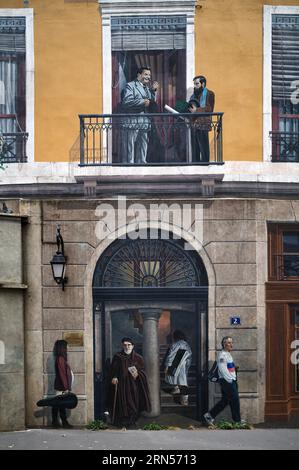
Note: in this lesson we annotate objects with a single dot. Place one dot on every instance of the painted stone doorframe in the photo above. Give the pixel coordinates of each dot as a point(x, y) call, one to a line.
point(88, 298)
point(144, 270)
point(147, 343)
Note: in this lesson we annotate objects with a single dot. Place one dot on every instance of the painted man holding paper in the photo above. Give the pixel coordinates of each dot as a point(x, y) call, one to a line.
point(128, 394)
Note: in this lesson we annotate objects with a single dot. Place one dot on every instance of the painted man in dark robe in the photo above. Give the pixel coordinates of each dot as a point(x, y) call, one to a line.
point(128, 393)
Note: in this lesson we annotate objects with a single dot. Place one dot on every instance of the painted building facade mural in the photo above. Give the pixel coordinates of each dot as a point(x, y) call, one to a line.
point(181, 218)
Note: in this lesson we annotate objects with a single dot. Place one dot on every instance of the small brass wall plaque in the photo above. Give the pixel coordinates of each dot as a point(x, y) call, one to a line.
point(74, 338)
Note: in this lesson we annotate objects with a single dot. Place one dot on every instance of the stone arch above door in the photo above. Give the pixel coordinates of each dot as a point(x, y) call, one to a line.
point(121, 232)
point(150, 263)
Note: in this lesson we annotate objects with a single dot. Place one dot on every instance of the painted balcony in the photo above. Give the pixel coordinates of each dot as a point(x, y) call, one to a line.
point(285, 146)
point(151, 139)
point(13, 147)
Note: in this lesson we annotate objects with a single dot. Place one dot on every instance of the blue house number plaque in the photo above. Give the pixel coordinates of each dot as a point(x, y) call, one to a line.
point(235, 320)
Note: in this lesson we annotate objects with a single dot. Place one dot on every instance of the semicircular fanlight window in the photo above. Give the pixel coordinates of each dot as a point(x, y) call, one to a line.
point(150, 263)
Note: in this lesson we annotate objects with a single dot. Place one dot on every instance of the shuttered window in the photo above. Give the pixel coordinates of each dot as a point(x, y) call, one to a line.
point(148, 33)
point(285, 83)
point(12, 34)
point(285, 55)
point(12, 74)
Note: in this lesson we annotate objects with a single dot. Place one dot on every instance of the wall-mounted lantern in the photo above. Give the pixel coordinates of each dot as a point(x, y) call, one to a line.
point(58, 262)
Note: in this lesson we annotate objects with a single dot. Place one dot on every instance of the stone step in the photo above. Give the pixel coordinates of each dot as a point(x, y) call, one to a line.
point(169, 400)
point(191, 373)
point(165, 387)
point(164, 391)
point(177, 405)
point(188, 411)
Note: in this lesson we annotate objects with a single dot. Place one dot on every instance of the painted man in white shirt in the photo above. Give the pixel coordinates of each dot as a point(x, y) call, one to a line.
point(228, 384)
point(177, 364)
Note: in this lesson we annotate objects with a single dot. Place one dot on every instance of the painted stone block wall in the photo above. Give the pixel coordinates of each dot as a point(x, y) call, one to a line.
point(12, 388)
point(230, 234)
point(235, 254)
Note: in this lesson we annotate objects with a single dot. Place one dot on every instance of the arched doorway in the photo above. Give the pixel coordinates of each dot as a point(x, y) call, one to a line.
point(145, 289)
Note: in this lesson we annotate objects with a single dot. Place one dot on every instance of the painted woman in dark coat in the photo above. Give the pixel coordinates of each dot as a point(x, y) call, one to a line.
point(128, 393)
point(63, 381)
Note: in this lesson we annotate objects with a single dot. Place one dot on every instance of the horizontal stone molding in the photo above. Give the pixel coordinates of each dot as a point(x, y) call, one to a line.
point(12, 285)
point(260, 173)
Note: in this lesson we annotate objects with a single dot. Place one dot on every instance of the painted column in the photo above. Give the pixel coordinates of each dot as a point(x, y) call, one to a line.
point(107, 63)
point(151, 356)
point(190, 54)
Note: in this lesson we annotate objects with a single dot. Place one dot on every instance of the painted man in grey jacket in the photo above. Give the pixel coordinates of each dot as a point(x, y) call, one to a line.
point(136, 99)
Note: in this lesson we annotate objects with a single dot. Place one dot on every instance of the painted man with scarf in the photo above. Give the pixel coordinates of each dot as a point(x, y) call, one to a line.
point(128, 395)
point(201, 101)
point(177, 363)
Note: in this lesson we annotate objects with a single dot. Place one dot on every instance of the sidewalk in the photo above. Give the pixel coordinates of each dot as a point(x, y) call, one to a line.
point(196, 439)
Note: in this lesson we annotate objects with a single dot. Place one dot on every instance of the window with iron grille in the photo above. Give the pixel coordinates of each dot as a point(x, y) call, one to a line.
point(12, 85)
point(283, 251)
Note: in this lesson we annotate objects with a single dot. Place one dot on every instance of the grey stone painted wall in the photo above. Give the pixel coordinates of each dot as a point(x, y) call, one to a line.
point(33, 311)
point(12, 386)
point(230, 234)
point(10, 250)
point(235, 245)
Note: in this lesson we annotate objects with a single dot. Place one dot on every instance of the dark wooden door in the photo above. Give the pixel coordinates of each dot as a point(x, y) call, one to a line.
point(294, 354)
point(282, 391)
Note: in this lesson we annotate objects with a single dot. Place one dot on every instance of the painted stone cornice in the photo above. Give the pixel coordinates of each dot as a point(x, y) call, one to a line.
point(158, 184)
point(135, 6)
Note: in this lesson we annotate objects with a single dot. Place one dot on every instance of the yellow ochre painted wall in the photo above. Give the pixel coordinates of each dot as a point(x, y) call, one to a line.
point(229, 52)
point(68, 70)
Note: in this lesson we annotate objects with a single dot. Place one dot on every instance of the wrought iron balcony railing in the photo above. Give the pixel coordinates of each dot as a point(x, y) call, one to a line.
point(286, 266)
point(285, 146)
point(13, 147)
point(151, 139)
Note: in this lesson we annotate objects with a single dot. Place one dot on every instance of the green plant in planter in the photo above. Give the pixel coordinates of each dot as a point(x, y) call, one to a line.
point(224, 424)
point(96, 425)
point(153, 427)
point(242, 426)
